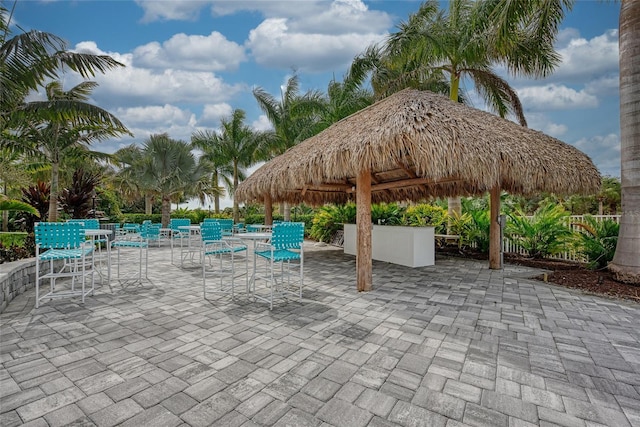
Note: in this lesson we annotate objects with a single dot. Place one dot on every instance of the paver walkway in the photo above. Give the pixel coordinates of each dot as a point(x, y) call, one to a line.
point(452, 345)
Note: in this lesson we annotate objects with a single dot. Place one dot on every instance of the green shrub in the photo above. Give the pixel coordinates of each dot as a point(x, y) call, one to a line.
point(329, 219)
point(543, 234)
point(12, 238)
point(426, 215)
point(137, 218)
point(15, 252)
point(478, 230)
point(597, 240)
point(386, 214)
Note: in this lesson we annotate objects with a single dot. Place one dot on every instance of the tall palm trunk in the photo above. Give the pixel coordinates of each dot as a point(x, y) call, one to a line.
point(236, 214)
point(216, 198)
point(53, 194)
point(454, 204)
point(166, 210)
point(626, 261)
point(148, 204)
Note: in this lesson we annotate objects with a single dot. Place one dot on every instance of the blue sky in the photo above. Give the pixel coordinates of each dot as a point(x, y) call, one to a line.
point(190, 63)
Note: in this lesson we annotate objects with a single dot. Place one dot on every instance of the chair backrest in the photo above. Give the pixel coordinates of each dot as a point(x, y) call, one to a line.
point(211, 231)
point(150, 231)
point(288, 235)
point(86, 223)
point(174, 223)
point(146, 221)
point(225, 223)
point(59, 235)
point(253, 228)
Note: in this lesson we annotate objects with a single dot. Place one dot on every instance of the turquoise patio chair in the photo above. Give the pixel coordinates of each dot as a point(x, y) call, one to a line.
point(63, 242)
point(219, 259)
point(127, 271)
point(282, 259)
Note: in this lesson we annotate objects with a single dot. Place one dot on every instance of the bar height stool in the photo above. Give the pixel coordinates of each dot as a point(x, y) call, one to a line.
point(63, 241)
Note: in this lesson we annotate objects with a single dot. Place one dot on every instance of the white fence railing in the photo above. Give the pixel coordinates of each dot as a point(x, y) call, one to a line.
point(569, 253)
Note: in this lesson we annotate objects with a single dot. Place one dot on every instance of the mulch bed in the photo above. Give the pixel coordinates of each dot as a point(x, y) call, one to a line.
point(563, 273)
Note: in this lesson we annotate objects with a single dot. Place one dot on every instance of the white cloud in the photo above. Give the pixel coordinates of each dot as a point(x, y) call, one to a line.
point(604, 151)
point(212, 113)
point(150, 116)
point(343, 17)
point(273, 44)
point(555, 129)
point(584, 59)
point(555, 97)
point(132, 85)
point(146, 120)
point(192, 52)
point(183, 10)
point(261, 124)
point(604, 86)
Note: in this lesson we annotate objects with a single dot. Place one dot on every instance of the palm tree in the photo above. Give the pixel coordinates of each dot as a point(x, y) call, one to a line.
point(626, 261)
point(463, 43)
point(174, 170)
point(130, 179)
point(221, 169)
point(236, 146)
point(27, 61)
point(53, 138)
point(343, 99)
point(294, 118)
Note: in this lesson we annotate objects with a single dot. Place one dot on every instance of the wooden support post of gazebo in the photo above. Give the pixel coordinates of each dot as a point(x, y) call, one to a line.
point(364, 263)
point(268, 211)
point(494, 229)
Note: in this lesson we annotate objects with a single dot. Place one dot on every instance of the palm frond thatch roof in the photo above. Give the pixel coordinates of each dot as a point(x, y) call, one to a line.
point(418, 145)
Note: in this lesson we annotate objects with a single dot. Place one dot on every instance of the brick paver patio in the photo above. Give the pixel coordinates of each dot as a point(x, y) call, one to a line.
point(452, 345)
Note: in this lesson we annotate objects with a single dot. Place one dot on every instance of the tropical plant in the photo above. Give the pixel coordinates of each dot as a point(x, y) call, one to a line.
point(172, 170)
point(221, 169)
point(343, 99)
point(424, 214)
point(27, 61)
point(478, 230)
point(76, 200)
point(626, 262)
point(544, 233)
point(53, 140)
point(467, 41)
point(386, 214)
point(132, 180)
point(294, 118)
point(329, 218)
point(12, 175)
point(460, 225)
point(37, 196)
point(597, 240)
point(7, 204)
point(236, 146)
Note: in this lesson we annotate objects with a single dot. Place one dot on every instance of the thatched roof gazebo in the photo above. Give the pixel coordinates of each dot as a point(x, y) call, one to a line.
point(415, 145)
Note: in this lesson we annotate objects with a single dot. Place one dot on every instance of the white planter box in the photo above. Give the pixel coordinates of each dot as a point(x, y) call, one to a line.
point(409, 246)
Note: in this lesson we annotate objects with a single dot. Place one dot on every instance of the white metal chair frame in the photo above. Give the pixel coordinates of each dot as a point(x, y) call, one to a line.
point(285, 249)
point(63, 242)
point(177, 234)
point(139, 241)
point(219, 259)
